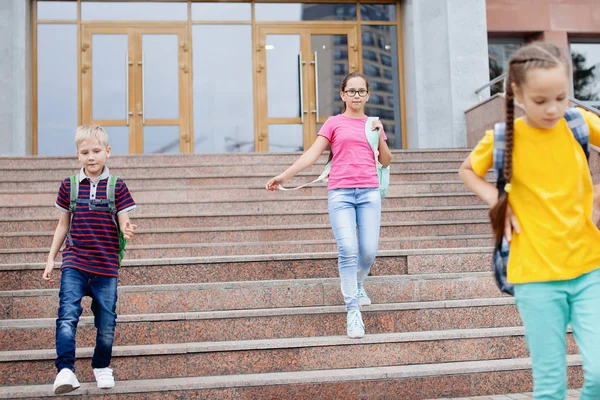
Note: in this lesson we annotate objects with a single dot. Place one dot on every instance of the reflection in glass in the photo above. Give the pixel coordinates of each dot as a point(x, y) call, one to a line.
point(304, 12)
point(332, 67)
point(221, 11)
point(109, 76)
point(223, 88)
point(499, 51)
point(57, 10)
point(383, 41)
point(57, 89)
point(586, 72)
point(118, 139)
point(285, 138)
point(378, 12)
point(283, 76)
point(133, 11)
point(161, 139)
point(161, 76)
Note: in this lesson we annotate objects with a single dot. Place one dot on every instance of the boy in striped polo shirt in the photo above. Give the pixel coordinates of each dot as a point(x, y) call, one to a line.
point(90, 259)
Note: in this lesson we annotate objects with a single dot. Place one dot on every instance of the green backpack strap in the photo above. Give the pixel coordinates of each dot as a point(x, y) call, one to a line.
point(112, 207)
point(73, 195)
point(383, 173)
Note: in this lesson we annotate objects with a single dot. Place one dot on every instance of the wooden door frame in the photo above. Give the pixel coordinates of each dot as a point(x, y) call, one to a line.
point(305, 31)
point(134, 33)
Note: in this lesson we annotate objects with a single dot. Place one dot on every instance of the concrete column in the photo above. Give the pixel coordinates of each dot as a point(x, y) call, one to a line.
point(445, 61)
point(15, 77)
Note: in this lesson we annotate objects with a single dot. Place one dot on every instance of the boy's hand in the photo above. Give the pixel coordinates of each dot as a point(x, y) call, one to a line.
point(128, 230)
point(48, 271)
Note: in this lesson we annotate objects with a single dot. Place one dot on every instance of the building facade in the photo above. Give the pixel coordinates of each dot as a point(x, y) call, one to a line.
point(183, 76)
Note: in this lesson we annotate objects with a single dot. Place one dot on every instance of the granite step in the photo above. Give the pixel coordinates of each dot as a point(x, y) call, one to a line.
point(244, 295)
point(166, 271)
point(158, 178)
point(252, 218)
point(194, 359)
point(22, 240)
point(156, 251)
point(259, 324)
point(420, 382)
point(187, 193)
point(223, 168)
point(152, 160)
point(250, 204)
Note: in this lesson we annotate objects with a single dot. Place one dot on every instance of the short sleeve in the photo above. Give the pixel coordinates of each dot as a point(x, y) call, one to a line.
point(482, 157)
point(63, 200)
point(327, 129)
point(593, 122)
point(123, 200)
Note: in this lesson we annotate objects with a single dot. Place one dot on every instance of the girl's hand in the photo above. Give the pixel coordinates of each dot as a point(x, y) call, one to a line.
point(377, 125)
point(274, 183)
point(129, 230)
point(510, 224)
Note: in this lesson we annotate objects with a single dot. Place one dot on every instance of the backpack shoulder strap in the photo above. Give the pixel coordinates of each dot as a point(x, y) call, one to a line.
point(579, 128)
point(74, 193)
point(499, 148)
point(373, 139)
point(110, 194)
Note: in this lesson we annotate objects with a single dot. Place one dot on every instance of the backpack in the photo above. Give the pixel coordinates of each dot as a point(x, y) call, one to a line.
point(107, 205)
point(383, 173)
point(580, 130)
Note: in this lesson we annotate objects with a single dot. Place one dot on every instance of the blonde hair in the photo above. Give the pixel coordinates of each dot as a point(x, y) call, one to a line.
point(91, 132)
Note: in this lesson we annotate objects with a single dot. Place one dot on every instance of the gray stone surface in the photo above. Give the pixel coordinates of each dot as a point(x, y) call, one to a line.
point(15, 78)
point(445, 61)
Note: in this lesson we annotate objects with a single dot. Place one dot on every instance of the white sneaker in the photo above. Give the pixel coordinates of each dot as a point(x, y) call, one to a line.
point(65, 381)
point(363, 298)
point(104, 378)
point(356, 328)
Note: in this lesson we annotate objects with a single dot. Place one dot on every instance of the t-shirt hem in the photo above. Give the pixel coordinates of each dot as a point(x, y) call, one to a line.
point(554, 278)
point(116, 274)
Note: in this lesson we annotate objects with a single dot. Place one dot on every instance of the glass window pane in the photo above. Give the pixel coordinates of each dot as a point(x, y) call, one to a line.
point(161, 139)
point(118, 139)
point(304, 12)
point(133, 11)
point(499, 51)
point(586, 72)
point(332, 66)
point(57, 89)
point(384, 83)
point(378, 12)
point(65, 10)
point(221, 11)
point(223, 88)
point(283, 75)
point(285, 138)
point(109, 76)
point(161, 76)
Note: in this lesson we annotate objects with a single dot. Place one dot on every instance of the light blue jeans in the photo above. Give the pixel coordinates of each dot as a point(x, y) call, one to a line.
point(352, 210)
point(546, 309)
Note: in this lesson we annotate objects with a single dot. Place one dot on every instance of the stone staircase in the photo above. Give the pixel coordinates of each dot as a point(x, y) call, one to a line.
point(231, 292)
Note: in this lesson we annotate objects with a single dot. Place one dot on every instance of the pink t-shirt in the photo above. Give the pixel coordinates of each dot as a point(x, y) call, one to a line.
point(353, 163)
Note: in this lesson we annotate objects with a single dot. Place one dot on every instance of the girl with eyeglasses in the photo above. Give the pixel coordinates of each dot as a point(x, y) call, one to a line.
point(354, 200)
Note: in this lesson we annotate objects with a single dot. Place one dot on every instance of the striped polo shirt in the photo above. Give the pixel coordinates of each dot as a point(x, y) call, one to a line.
point(95, 247)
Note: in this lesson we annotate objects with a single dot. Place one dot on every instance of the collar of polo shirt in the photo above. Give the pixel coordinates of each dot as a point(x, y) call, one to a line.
point(81, 176)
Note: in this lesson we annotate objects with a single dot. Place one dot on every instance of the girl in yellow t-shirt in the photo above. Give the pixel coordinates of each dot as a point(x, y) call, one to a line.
point(546, 215)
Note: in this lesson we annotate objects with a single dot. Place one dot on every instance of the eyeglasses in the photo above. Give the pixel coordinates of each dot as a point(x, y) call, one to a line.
point(353, 92)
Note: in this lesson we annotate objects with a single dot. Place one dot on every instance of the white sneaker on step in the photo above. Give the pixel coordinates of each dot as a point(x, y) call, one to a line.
point(65, 381)
point(355, 327)
point(104, 378)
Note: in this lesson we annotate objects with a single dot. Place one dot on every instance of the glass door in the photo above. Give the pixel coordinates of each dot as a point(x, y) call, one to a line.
point(135, 84)
point(299, 73)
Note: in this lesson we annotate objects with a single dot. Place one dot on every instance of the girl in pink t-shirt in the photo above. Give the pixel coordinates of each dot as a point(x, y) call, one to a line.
point(354, 200)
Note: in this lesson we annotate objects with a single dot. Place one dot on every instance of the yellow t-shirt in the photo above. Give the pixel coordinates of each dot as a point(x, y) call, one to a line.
point(551, 198)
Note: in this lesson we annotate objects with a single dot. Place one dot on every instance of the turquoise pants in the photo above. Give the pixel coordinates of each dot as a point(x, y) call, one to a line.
point(546, 309)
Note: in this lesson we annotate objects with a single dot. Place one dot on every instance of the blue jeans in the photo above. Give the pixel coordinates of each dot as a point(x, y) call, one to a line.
point(74, 285)
point(350, 209)
point(546, 309)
